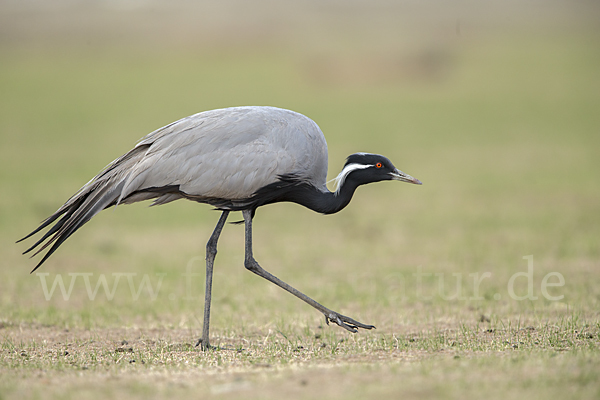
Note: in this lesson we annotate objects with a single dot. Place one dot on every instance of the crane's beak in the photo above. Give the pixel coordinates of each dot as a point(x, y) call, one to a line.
point(398, 175)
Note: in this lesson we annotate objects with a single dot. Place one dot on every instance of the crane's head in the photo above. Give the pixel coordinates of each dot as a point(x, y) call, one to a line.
point(364, 168)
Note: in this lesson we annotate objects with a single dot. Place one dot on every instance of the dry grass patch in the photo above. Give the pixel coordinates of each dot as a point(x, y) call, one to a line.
point(45, 361)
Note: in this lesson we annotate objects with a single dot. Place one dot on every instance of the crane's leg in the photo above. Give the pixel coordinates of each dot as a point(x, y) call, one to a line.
point(251, 264)
point(211, 252)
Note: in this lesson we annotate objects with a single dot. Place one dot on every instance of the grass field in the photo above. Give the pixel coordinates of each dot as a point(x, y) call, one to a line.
point(483, 282)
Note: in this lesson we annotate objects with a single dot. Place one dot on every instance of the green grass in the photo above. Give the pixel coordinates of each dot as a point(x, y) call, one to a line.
point(502, 128)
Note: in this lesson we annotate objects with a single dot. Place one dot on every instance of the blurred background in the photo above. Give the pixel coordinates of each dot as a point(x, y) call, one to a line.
point(494, 105)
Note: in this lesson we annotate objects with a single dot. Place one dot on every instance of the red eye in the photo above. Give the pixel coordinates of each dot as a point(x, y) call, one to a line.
point(378, 165)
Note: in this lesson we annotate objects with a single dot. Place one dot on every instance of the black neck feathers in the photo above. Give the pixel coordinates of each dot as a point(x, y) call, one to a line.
point(301, 192)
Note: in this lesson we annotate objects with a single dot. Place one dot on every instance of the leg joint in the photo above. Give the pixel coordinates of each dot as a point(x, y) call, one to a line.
point(211, 248)
point(251, 265)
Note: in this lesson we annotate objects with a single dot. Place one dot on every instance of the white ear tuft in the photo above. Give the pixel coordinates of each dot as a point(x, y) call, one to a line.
point(339, 180)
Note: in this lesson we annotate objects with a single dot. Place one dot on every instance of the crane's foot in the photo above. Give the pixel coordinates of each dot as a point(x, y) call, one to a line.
point(345, 322)
point(206, 346)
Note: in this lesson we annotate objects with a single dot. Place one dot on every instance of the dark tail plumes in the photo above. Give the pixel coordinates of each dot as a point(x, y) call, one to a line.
point(101, 192)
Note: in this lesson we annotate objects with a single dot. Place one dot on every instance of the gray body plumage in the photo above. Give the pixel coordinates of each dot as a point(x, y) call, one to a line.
point(220, 154)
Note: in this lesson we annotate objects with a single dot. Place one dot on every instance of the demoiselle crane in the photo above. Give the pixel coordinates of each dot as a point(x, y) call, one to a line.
point(235, 159)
